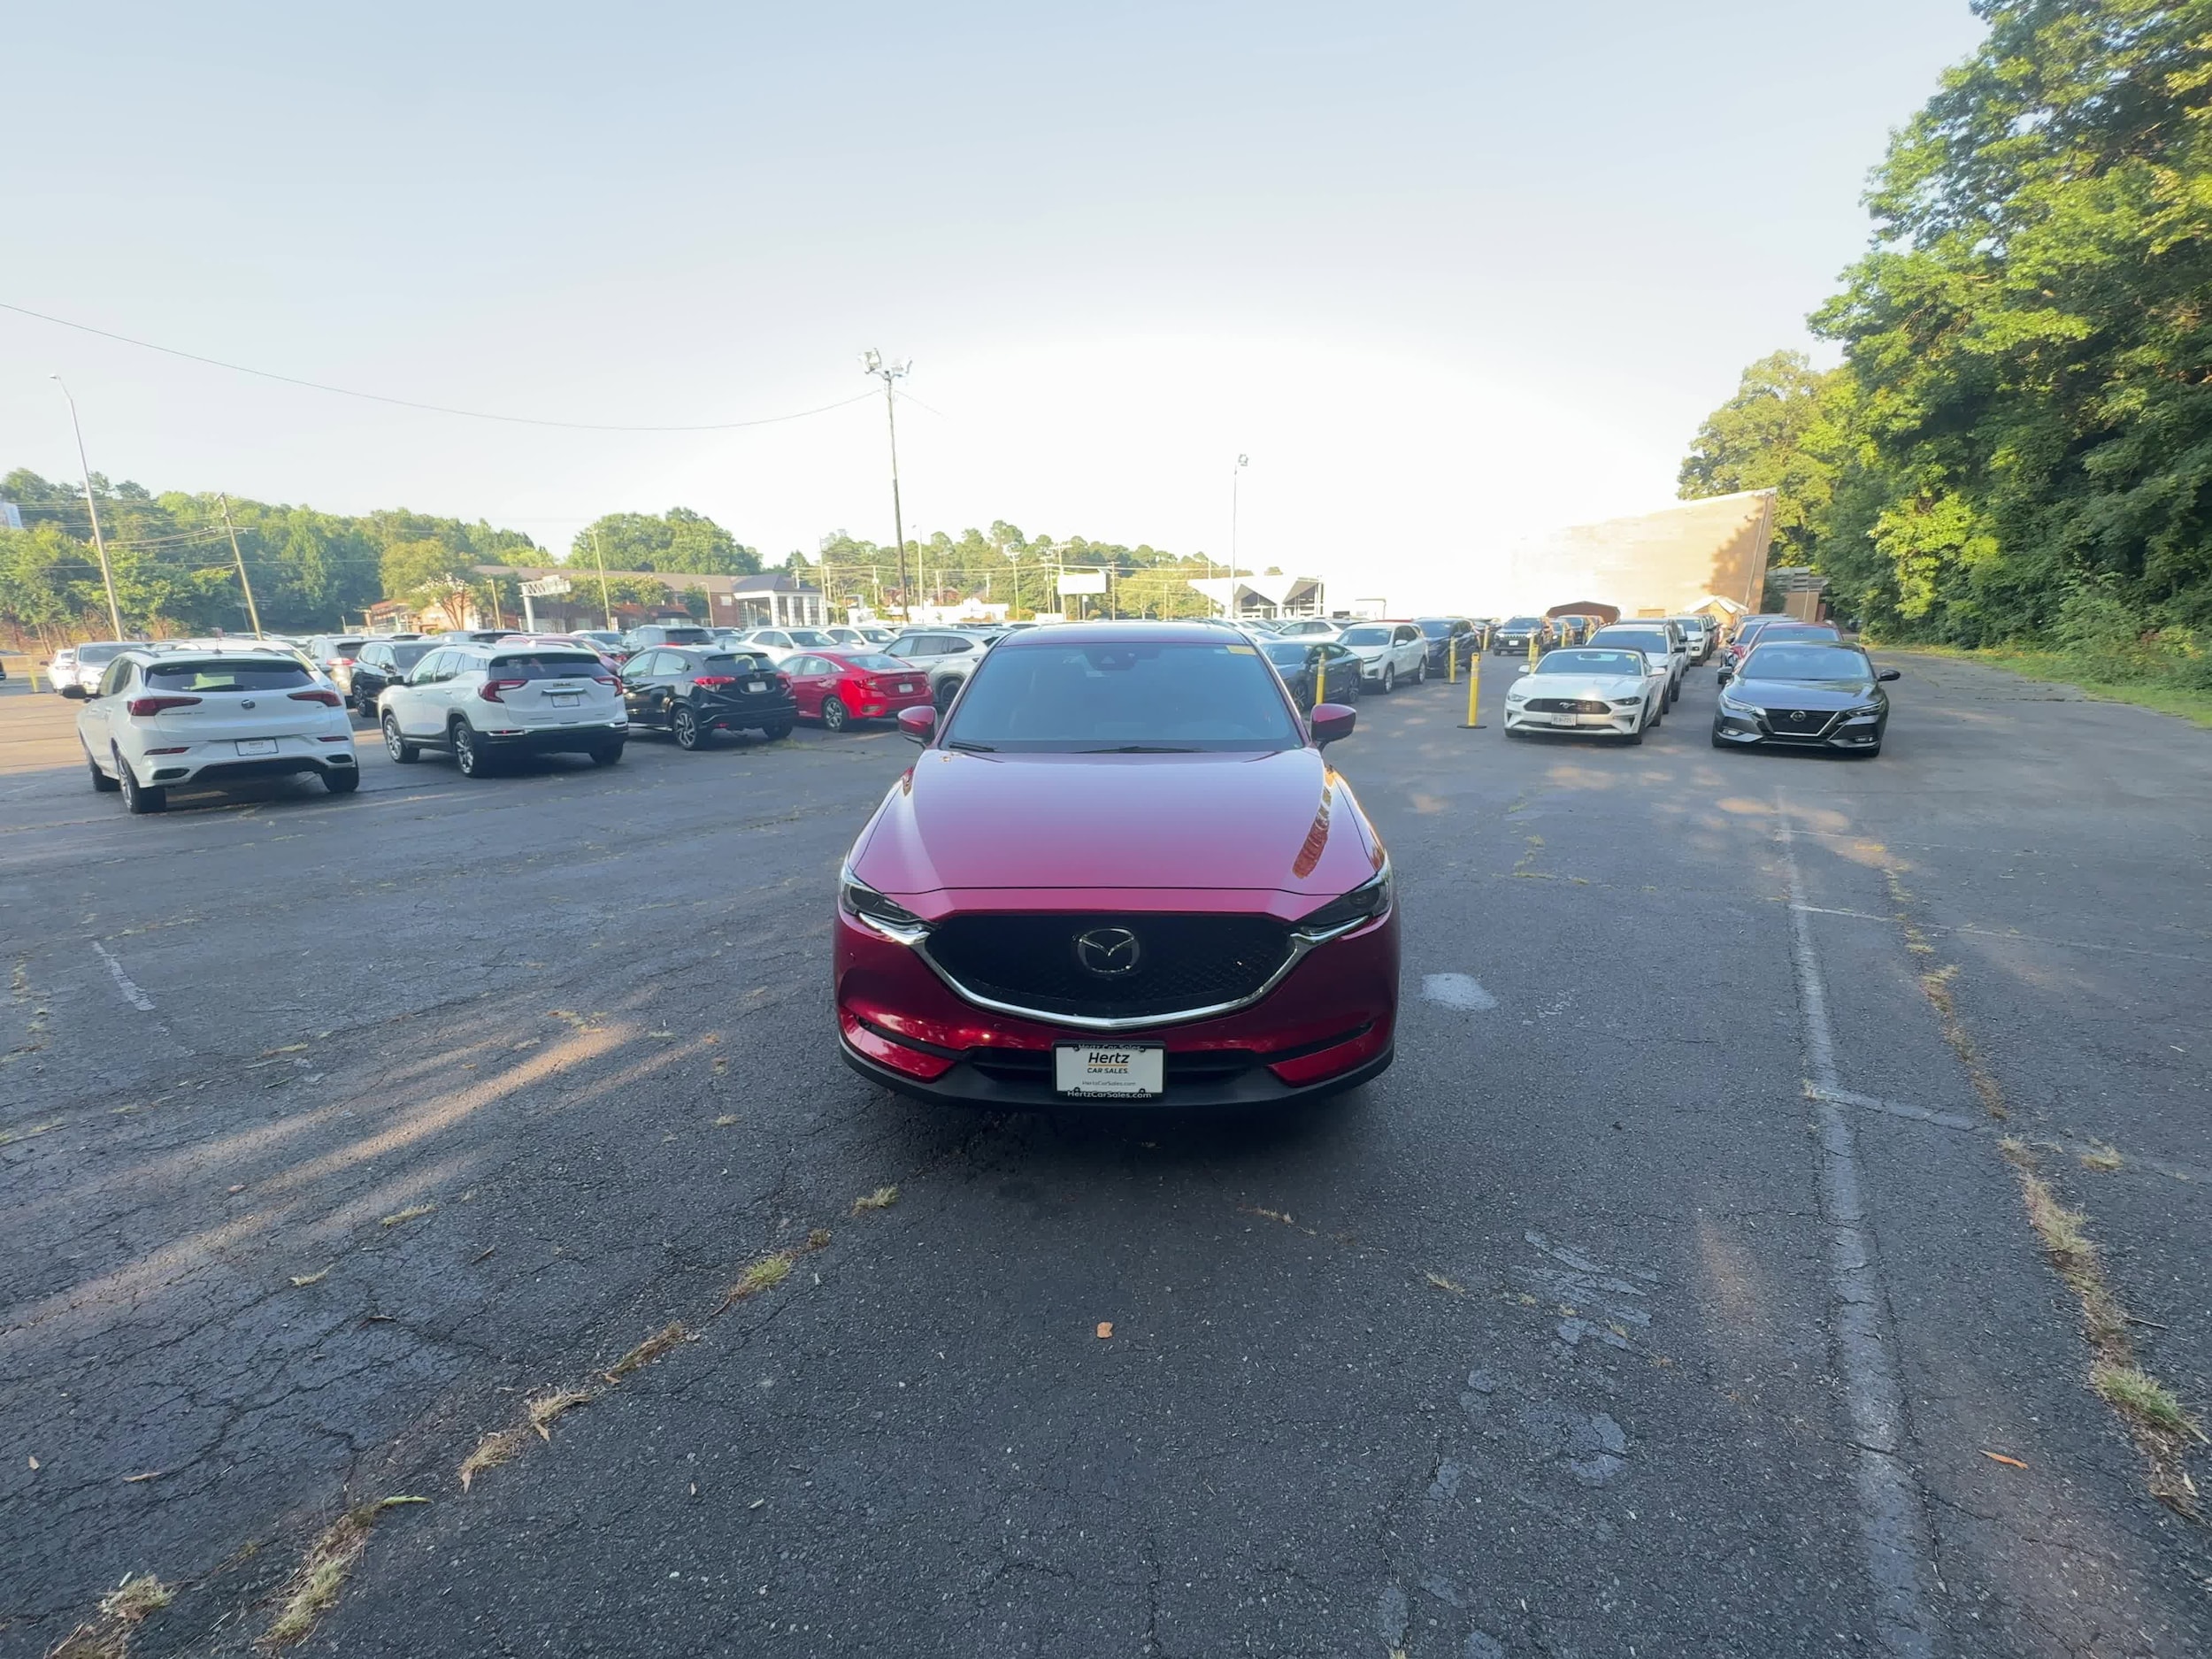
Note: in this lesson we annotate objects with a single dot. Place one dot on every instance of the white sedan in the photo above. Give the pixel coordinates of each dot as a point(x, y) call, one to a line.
point(1586, 688)
point(161, 718)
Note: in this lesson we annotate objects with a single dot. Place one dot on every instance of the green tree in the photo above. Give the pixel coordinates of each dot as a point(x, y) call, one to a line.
point(676, 541)
point(1775, 434)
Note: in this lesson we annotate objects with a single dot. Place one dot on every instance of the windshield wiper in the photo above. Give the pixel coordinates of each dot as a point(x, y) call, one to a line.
point(1139, 748)
point(973, 749)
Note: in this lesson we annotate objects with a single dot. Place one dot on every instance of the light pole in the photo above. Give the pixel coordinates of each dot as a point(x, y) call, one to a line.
point(1236, 477)
point(115, 612)
point(251, 610)
point(871, 362)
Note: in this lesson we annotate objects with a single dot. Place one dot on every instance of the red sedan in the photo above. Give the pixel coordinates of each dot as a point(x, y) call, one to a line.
point(838, 687)
point(1121, 870)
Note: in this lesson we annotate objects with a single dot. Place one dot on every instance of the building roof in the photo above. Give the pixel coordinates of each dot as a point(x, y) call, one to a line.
point(773, 582)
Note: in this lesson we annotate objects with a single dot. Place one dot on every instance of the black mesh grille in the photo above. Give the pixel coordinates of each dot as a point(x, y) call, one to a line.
point(1566, 705)
point(1182, 961)
point(1800, 722)
point(1034, 1065)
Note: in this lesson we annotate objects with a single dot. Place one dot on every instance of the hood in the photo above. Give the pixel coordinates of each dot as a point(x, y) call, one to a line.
point(1281, 823)
point(1601, 686)
point(1801, 694)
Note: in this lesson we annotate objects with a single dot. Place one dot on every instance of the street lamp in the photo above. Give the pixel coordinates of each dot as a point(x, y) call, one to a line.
point(115, 612)
point(871, 362)
point(1236, 476)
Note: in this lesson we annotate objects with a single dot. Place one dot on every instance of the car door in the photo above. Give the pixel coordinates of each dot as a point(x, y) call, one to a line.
point(811, 678)
point(1408, 649)
point(93, 715)
point(416, 704)
point(644, 687)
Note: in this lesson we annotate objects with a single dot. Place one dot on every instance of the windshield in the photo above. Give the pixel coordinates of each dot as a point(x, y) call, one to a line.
point(735, 662)
point(1627, 663)
point(1436, 627)
point(686, 636)
point(546, 666)
point(1166, 698)
point(1365, 636)
point(1651, 642)
point(813, 638)
point(87, 655)
point(251, 674)
point(1807, 661)
point(1780, 631)
point(408, 655)
point(1288, 654)
point(877, 662)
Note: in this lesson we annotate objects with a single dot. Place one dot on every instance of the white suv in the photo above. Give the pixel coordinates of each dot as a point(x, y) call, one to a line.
point(157, 720)
point(1389, 651)
point(483, 702)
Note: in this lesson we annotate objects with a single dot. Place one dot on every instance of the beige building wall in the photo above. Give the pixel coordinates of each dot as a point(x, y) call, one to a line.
point(1657, 564)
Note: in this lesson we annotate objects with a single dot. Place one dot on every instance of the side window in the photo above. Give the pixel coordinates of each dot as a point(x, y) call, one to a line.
point(954, 644)
point(431, 669)
point(1406, 635)
point(118, 676)
point(645, 665)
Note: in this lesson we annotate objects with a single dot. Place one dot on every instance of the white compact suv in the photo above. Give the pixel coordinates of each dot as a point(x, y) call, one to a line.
point(159, 719)
point(483, 702)
point(1389, 651)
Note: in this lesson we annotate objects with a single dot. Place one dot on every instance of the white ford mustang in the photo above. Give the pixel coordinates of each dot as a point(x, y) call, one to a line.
point(1607, 690)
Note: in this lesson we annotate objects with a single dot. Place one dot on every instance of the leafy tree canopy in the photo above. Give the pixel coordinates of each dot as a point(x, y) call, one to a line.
point(678, 539)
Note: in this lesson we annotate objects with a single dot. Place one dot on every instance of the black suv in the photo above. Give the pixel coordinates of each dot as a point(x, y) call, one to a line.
point(692, 692)
point(378, 663)
point(1452, 640)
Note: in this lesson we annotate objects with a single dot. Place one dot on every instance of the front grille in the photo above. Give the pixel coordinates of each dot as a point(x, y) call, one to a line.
point(1805, 723)
point(1182, 961)
point(1566, 705)
point(1035, 1065)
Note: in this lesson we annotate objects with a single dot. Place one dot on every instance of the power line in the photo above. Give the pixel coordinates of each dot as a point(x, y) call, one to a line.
point(434, 409)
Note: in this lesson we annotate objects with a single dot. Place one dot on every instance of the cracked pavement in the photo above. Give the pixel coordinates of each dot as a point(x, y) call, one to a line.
point(1527, 1348)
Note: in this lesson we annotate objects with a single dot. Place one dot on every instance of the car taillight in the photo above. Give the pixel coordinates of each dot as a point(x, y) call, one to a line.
point(602, 679)
point(341, 662)
point(328, 699)
point(144, 706)
point(491, 688)
point(712, 680)
point(783, 681)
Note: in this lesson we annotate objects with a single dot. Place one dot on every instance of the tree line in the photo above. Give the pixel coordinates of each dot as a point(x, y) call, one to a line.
point(2017, 444)
point(175, 572)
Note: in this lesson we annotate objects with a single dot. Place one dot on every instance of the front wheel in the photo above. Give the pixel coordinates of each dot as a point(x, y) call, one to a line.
point(1717, 740)
point(1389, 678)
point(606, 754)
point(136, 796)
point(397, 747)
point(835, 716)
point(1421, 672)
point(343, 782)
point(1633, 739)
point(684, 726)
point(774, 734)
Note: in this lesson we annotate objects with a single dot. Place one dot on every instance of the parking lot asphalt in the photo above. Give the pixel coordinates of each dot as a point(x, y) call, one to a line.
point(1670, 1295)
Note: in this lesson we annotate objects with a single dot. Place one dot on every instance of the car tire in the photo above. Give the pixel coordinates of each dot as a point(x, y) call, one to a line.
point(1716, 742)
point(469, 759)
point(1657, 717)
point(942, 693)
point(1389, 682)
point(835, 716)
point(776, 733)
point(101, 781)
point(397, 747)
point(1421, 672)
point(345, 781)
point(136, 796)
point(605, 755)
point(684, 726)
point(1632, 740)
point(1870, 751)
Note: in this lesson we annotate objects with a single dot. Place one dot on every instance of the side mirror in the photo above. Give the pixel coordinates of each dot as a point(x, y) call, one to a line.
point(920, 725)
point(1724, 676)
point(74, 692)
point(1331, 721)
point(1890, 673)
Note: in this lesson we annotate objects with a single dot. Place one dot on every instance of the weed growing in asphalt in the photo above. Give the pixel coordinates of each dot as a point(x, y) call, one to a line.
point(495, 1448)
point(2101, 1156)
point(323, 1573)
point(408, 1214)
point(122, 1610)
point(646, 1352)
point(882, 1198)
point(545, 1408)
point(2138, 1394)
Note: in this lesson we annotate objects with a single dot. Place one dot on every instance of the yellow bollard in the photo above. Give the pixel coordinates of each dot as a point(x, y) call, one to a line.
point(1533, 652)
point(1320, 681)
point(1451, 660)
point(1474, 694)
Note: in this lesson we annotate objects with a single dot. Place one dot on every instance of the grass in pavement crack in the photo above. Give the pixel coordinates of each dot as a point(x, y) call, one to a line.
point(322, 1573)
point(122, 1610)
point(2155, 1419)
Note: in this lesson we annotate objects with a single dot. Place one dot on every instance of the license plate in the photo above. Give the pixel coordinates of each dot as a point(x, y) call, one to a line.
point(257, 746)
point(756, 685)
point(1109, 1070)
point(906, 685)
point(565, 699)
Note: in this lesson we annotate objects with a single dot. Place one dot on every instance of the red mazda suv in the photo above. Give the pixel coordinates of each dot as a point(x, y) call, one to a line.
point(1120, 871)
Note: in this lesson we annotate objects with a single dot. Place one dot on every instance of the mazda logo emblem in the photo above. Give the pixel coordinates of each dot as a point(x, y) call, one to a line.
point(246, 703)
point(1109, 952)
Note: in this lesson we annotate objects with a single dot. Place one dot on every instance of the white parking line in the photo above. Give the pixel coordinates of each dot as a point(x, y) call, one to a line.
point(1890, 1505)
point(1457, 990)
point(132, 995)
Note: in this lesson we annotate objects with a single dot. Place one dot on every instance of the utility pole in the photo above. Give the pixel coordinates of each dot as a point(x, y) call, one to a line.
point(251, 610)
point(115, 612)
point(871, 362)
point(1236, 477)
point(600, 559)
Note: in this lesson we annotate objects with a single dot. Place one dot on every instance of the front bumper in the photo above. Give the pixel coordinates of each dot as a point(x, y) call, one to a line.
point(1615, 722)
point(1329, 1025)
point(1842, 732)
point(748, 713)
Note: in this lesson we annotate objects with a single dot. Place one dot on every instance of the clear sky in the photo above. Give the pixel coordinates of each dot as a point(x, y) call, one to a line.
point(1447, 274)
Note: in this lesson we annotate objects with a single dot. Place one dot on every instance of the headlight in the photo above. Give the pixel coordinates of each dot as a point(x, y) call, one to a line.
point(1363, 903)
point(1628, 703)
point(1864, 712)
point(885, 915)
point(1729, 705)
